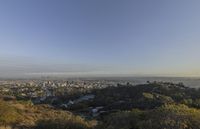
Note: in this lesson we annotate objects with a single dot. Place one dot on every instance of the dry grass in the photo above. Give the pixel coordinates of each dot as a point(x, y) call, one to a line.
point(29, 115)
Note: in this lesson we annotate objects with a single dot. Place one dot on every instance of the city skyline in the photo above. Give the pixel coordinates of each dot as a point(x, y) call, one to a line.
point(99, 38)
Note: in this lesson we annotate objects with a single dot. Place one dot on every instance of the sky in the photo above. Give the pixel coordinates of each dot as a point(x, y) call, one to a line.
point(99, 38)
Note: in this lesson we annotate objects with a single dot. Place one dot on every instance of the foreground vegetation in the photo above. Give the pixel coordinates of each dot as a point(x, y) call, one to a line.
point(150, 106)
point(164, 117)
point(25, 115)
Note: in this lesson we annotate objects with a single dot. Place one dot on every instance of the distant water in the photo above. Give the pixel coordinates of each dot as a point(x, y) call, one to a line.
point(189, 82)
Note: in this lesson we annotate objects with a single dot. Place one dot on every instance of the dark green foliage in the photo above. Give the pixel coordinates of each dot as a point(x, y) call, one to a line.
point(164, 117)
point(122, 120)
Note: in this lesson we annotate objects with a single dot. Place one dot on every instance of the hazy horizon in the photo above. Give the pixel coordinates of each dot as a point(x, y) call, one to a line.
point(99, 38)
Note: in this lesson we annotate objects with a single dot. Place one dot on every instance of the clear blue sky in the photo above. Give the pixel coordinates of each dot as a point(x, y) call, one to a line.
point(99, 37)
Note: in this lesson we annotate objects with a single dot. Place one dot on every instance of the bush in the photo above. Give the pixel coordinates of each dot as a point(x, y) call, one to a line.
point(8, 114)
point(165, 117)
